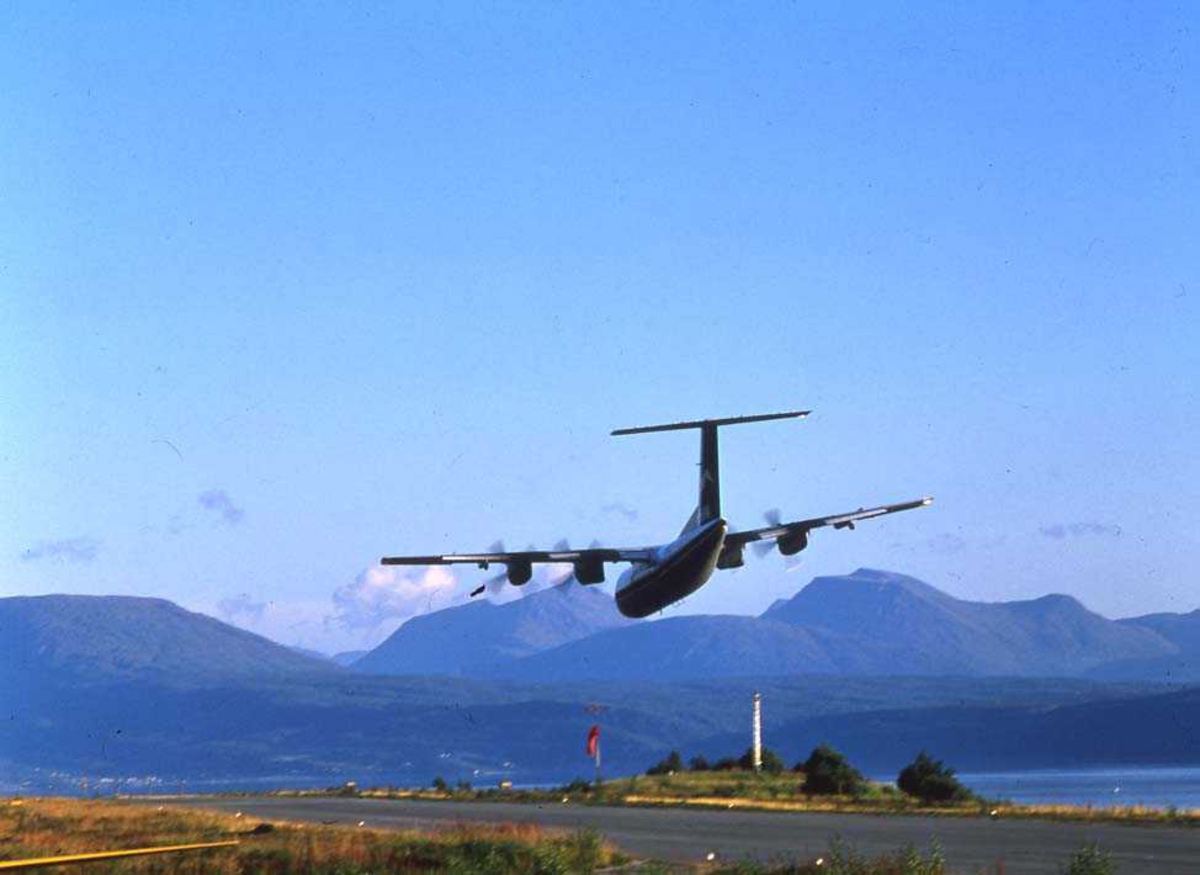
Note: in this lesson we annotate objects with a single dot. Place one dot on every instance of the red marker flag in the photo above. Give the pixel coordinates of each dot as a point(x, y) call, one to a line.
point(593, 742)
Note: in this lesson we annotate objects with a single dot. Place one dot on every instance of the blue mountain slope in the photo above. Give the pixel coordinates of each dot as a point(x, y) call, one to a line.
point(680, 648)
point(865, 623)
point(475, 637)
point(872, 620)
point(140, 687)
point(119, 638)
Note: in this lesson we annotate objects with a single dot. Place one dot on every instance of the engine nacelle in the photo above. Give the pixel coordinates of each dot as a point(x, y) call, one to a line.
point(519, 572)
point(589, 571)
point(789, 545)
point(731, 557)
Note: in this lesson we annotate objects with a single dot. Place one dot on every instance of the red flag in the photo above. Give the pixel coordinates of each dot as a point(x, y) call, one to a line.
point(593, 741)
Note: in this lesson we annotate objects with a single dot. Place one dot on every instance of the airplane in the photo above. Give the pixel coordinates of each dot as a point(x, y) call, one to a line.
point(661, 575)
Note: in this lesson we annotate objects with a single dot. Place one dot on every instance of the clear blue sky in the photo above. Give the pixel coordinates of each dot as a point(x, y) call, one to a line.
point(283, 290)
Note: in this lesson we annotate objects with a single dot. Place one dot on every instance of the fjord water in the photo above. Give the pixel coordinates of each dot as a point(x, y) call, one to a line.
point(1157, 787)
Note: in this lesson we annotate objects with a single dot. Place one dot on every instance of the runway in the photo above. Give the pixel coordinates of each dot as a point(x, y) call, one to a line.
point(1024, 846)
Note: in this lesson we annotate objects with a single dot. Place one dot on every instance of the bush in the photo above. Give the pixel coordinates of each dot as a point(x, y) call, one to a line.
point(725, 764)
point(826, 771)
point(1090, 860)
point(673, 763)
point(771, 763)
point(699, 764)
point(576, 786)
point(439, 784)
point(846, 860)
point(931, 780)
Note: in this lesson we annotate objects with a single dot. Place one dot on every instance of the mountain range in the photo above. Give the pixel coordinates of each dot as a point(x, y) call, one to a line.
point(119, 638)
point(868, 622)
point(145, 691)
point(471, 639)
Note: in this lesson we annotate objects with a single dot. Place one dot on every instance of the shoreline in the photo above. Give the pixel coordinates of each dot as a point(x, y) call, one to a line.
point(983, 809)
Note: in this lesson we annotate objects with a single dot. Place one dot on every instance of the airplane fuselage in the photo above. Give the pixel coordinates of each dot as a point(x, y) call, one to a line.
point(678, 570)
point(661, 576)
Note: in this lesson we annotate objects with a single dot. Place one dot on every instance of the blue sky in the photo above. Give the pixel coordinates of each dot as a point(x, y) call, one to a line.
point(283, 290)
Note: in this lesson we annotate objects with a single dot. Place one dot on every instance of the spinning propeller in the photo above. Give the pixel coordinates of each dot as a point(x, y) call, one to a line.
point(493, 584)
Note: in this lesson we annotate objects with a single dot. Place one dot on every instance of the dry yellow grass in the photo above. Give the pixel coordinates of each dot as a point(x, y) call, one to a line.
point(847, 805)
point(765, 792)
point(52, 827)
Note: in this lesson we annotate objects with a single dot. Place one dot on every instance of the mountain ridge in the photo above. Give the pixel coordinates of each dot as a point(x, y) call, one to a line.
point(136, 638)
point(868, 622)
point(468, 639)
point(147, 691)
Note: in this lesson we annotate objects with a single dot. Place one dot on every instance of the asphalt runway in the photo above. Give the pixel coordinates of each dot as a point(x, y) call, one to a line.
point(970, 844)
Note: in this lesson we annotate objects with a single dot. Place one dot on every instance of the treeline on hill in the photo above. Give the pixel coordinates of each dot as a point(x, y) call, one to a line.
point(827, 772)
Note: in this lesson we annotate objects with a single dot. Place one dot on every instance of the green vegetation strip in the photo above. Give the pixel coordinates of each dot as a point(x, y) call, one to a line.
point(824, 782)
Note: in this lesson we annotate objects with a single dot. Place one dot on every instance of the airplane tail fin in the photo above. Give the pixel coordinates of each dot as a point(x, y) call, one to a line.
point(709, 507)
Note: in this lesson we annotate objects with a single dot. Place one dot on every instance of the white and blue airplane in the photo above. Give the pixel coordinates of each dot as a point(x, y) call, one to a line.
point(662, 575)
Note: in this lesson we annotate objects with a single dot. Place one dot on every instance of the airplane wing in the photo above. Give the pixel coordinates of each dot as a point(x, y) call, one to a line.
point(518, 567)
point(483, 560)
point(838, 521)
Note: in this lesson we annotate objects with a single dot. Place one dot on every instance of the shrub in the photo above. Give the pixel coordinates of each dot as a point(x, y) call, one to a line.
point(725, 764)
point(439, 784)
point(846, 860)
point(699, 764)
point(771, 763)
point(931, 780)
point(673, 763)
point(576, 786)
point(1090, 860)
point(826, 771)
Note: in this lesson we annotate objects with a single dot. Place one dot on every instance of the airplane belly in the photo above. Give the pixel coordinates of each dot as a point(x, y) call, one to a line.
point(677, 578)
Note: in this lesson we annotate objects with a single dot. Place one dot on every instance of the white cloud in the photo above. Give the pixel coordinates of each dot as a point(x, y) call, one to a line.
point(387, 595)
point(365, 611)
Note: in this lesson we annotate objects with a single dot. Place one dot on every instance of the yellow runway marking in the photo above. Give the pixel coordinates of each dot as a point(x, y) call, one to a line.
point(109, 855)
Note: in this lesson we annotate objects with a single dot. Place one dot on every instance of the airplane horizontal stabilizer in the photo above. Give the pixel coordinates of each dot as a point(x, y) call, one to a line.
point(712, 423)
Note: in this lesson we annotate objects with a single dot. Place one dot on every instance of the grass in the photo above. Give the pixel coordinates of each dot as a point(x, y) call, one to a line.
point(748, 790)
point(745, 790)
point(842, 859)
point(53, 827)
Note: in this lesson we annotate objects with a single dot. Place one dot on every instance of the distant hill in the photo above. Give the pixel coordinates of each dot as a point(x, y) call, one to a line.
point(473, 638)
point(978, 735)
point(866, 623)
point(349, 657)
point(871, 620)
point(1183, 665)
point(120, 638)
point(680, 648)
point(144, 691)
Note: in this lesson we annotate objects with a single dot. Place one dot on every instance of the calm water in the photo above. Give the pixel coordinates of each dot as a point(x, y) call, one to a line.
point(1158, 787)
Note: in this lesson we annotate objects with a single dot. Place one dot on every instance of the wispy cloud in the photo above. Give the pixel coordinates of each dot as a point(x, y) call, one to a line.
point(66, 550)
point(218, 501)
point(241, 610)
point(1059, 531)
point(293, 621)
point(623, 509)
point(947, 544)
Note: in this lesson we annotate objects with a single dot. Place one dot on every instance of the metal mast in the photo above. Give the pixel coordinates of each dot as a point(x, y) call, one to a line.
point(757, 745)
